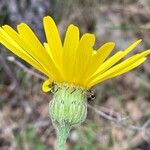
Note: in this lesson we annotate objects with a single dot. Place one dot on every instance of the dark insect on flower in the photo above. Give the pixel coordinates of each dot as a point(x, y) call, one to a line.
point(91, 95)
point(53, 87)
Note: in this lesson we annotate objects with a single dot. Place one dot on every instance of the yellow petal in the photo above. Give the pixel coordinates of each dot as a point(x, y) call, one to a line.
point(118, 68)
point(53, 39)
point(47, 48)
point(29, 37)
point(32, 42)
point(69, 51)
point(99, 57)
point(24, 45)
point(129, 68)
point(46, 85)
point(140, 61)
point(59, 70)
point(113, 60)
point(36, 49)
point(107, 64)
point(83, 55)
point(132, 46)
point(9, 42)
point(103, 52)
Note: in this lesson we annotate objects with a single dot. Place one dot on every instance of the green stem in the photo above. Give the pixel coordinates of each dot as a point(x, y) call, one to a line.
point(62, 134)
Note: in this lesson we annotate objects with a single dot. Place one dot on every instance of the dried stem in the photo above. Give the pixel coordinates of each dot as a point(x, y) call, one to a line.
point(29, 71)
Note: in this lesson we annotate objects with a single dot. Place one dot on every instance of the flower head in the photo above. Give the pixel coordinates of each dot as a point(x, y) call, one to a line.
point(71, 67)
point(74, 62)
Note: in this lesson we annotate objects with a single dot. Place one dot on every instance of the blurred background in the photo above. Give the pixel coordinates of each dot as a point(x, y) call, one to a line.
point(119, 116)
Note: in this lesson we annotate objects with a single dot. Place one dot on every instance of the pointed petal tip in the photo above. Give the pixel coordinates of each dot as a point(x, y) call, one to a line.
point(5, 26)
point(89, 36)
point(72, 26)
point(138, 42)
point(48, 18)
point(73, 29)
point(111, 44)
point(147, 52)
point(21, 25)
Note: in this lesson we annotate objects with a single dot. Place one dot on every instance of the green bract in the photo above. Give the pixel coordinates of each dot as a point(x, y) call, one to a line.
point(67, 109)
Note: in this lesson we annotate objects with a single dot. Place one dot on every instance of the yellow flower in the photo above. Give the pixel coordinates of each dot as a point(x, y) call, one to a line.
point(73, 66)
point(74, 62)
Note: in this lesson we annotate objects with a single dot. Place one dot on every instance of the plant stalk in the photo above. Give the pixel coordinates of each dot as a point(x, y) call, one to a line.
point(62, 135)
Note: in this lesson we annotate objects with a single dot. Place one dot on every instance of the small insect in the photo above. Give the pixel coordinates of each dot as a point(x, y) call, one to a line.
point(91, 95)
point(53, 87)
